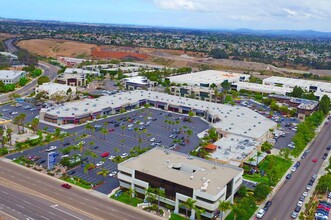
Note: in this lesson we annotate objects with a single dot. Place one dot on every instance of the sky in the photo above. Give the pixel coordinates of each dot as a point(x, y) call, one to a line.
point(201, 14)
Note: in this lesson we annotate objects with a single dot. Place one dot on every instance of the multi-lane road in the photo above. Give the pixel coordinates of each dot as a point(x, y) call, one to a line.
point(285, 200)
point(27, 193)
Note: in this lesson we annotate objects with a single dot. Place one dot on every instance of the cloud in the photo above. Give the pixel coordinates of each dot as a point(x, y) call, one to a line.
point(289, 12)
point(189, 5)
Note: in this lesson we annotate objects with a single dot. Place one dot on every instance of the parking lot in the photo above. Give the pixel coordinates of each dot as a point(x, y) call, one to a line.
point(144, 128)
point(287, 125)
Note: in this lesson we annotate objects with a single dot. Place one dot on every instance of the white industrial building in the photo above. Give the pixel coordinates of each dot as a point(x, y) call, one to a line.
point(11, 76)
point(137, 82)
point(181, 177)
point(254, 87)
point(208, 77)
point(55, 88)
point(81, 71)
point(317, 87)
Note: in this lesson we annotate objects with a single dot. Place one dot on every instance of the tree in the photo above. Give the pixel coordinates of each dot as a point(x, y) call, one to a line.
point(9, 132)
point(223, 206)
point(58, 97)
point(116, 150)
point(69, 91)
point(104, 131)
point(199, 212)
point(324, 183)
point(23, 81)
point(43, 79)
point(189, 204)
point(17, 121)
point(250, 160)
point(35, 124)
point(285, 153)
point(242, 192)
point(226, 85)
point(132, 194)
point(258, 155)
point(261, 191)
point(160, 193)
point(266, 146)
point(104, 172)
point(297, 92)
point(2, 137)
point(324, 104)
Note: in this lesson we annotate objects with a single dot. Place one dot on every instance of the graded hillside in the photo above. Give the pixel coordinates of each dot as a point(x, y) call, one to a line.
point(55, 48)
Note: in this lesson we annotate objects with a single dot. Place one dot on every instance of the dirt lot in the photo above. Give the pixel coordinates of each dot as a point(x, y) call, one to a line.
point(55, 48)
point(4, 36)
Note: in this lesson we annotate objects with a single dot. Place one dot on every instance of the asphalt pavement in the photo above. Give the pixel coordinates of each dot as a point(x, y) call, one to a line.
point(36, 187)
point(285, 200)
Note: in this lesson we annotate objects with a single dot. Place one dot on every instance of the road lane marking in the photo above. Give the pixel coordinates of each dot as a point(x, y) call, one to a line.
point(56, 207)
point(27, 202)
point(22, 207)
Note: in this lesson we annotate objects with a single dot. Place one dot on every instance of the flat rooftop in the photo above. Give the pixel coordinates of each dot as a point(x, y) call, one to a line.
point(10, 74)
point(184, 170)
point(207, 77)
point(234, 148)
point(80, 71)
point(54, 87)
point(262, 88)
point(233, 119)
point(291, 82)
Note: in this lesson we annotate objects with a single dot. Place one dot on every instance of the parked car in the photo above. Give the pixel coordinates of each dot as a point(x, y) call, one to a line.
point(124, 155)
point(260, 213)
point(152, 139)
point(111, 157)
point(71, 172)
point(111, 130)
point(105, 154)
point(100, 163)
point(288, 176)
point(113, 173)
point(294, 215)
point(51, 148)
point(268, 204)
point(66, 185)
point(66, 144)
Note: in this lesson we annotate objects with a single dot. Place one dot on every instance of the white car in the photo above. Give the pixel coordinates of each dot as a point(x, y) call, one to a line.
point(124, 155)
point(308, 187)
point(14, 113)
point(260, 213)
point(305, 194)
point(51, 148)
point(152, 139)
point(142, 123)
point(111, 157)
point(64, 156)
point(100, 163)
point(113, 173)
point(300, 203)
point(293, 169)
point(130, 125)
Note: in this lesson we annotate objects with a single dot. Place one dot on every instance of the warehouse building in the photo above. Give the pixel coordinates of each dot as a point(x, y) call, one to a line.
point(181, 177)
point(196, 92)
point(137, 82)
point(208, 77)
point(317, 87)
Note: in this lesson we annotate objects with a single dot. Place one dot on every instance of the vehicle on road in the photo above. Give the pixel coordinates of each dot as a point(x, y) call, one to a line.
point(268, 204)
point(14, 113)
point(111, 157)
point(314, 160)
point(111, 130)
point(297, 208)
point(51, 148)
point(66, 185)
point(300, 203)
point(152, 139)
point(294, 215)
point(324, 157)
point(288, 176)
point(305, 194)
point(71, 172)
point(95, 147)
point(308, 187)
point(260, 213)
point(293, 169)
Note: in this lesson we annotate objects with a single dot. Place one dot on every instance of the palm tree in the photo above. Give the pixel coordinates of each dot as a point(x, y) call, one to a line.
point(160, 193)
point(189, 204)
point(150, 194)
point(22, 117)
point(9, 132)
point(16, 121)
point(223, 206)
point(104, 131)
point(250, 160)
point(104, 172)
point(35, 124)
point(203, 153)
point(235, 210)
point(132, 193)
point(87, 167)
point(91, 143)
point(189, 132)
point(2, 137)
point(258, 154)
point(199, 212)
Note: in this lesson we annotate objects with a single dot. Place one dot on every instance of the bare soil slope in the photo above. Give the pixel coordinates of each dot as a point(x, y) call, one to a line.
point(55, 48)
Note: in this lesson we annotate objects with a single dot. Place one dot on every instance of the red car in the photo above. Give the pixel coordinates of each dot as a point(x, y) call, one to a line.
point(323, 207)
point(66, 185)
point(315, 160)
point(111, 130)
point(91, 167)
point(105, 154)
